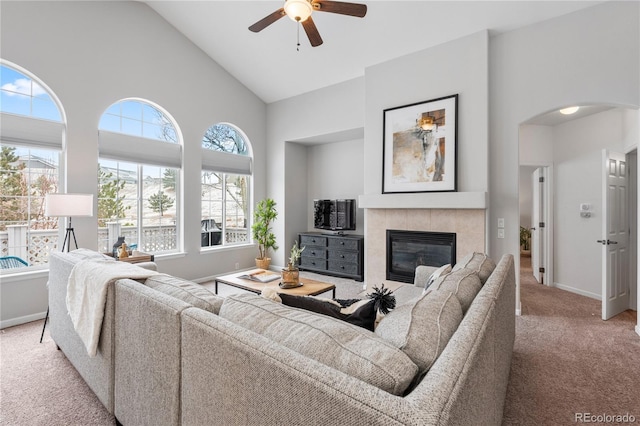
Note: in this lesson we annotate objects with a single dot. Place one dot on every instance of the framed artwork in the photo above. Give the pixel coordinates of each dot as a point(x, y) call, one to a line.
point(420, 147)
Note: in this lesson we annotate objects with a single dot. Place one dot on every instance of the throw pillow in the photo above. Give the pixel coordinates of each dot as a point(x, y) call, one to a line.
point(357, 312)
point(464, 283)
point(441, 271)
point(479, 263)
point(422, 329)
point(337, 344)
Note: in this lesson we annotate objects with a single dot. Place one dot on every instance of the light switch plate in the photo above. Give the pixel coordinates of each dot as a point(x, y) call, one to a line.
point(500, 233)
point(501, 222)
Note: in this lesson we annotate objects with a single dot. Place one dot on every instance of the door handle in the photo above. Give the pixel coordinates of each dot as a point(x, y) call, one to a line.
point(607, 242)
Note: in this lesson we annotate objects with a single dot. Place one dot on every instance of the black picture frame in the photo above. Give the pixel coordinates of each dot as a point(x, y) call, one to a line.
point(420, 147)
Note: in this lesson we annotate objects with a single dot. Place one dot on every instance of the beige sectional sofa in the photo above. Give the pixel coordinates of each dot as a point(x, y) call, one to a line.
point(171, 352)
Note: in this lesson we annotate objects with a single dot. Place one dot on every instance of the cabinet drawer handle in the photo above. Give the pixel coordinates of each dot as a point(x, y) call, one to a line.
point(342, 256)
point(313, 253)
point(341, 242)
point(313, 241)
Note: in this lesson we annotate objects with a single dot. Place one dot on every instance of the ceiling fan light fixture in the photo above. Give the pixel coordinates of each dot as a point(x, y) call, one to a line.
point(569, 110)
point(298, 10)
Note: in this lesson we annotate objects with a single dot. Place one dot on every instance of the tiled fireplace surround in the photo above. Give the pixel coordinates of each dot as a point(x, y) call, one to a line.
point(468, 224)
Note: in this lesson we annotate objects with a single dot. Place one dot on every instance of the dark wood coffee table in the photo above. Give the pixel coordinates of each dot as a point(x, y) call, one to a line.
point(309, 287)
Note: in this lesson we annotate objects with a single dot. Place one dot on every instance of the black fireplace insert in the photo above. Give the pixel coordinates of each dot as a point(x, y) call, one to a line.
point(408, 249)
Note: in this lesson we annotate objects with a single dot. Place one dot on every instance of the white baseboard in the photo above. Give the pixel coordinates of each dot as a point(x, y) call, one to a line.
point(578, 291)
point(519, 309)
point(22, 320)
point(638, 330)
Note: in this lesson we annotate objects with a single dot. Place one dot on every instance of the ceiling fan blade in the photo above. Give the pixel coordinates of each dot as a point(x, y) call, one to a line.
point(312, 32)
point(343, 8)
point(267, 20)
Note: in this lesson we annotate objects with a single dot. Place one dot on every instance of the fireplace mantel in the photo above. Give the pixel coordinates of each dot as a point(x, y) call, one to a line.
point(424, 200)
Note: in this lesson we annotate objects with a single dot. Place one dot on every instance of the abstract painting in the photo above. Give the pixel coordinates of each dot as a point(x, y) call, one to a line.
point(419, 146)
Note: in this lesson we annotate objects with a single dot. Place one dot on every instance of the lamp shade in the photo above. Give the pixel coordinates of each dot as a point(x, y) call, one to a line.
point(298, 10)
point(68, 205)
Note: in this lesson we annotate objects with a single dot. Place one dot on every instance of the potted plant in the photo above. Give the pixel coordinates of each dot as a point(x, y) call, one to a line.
point(291, 274)
point(264, 214)
point(525, 240)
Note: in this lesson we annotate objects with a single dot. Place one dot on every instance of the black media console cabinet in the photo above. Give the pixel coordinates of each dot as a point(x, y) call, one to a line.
point(333, 254)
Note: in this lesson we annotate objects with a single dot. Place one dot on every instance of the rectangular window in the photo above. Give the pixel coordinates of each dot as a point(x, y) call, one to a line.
point(225, 207)
point(26, 176)
point(137, 202)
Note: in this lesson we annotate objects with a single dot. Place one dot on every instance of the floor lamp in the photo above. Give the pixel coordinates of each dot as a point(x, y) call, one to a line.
point(67, 205)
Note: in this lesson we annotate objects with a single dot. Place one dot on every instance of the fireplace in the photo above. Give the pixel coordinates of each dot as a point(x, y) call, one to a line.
point(408, 249)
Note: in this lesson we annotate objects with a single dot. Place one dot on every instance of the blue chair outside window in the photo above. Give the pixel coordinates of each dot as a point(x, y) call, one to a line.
point(8, 262)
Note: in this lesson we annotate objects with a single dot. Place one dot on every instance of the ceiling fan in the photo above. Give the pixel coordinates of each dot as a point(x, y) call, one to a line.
point(300, 11)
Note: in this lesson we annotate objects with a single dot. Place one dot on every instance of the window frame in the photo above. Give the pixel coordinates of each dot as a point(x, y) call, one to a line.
point(142, 152)
point(228, 164)
point(32, 132)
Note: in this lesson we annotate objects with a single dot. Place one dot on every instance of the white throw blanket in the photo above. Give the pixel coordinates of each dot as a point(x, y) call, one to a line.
point(87, 295)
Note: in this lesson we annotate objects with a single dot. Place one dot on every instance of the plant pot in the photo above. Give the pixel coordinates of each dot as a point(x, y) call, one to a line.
point(263, 263)
point(290, 276)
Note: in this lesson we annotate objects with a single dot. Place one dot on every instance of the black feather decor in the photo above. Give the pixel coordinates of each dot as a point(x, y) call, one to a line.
point(384, 299)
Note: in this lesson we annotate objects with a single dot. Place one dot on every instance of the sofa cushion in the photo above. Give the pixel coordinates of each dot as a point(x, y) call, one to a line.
point(464, 283)
point(479, 263)
point(345, 347)
point(422, 274)
point(422, 329)
point(186, 291)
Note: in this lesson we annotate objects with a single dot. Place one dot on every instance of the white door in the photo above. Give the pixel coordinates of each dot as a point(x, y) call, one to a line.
point(537, 225)
point(615, 242)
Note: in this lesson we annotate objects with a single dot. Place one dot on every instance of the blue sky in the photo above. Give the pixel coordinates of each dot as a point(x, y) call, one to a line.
point(21, 95)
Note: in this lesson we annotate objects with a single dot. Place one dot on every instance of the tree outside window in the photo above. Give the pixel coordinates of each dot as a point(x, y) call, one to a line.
point(225, 196)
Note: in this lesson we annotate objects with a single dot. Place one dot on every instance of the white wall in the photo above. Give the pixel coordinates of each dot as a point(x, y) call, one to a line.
point(334, 109)
point(296, 206)
point(536, 149)
point(526, 195)
point(429, 74)
point(578, 147)
point(91, 54)
point(569, 60)
point(336, 171)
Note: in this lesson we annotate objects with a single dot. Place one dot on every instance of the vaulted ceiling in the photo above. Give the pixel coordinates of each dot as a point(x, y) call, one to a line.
point(269, 64)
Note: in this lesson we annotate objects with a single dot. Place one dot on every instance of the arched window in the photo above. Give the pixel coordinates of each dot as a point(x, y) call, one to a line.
point(138, 187)
point(226, 179)
point(32, 139)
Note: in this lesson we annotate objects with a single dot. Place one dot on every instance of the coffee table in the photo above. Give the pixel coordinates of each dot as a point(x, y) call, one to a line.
point(309, 287)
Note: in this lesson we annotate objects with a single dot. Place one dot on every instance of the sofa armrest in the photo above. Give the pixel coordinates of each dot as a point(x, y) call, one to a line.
point(225, 366)
point(97, 372)
point(148, 265)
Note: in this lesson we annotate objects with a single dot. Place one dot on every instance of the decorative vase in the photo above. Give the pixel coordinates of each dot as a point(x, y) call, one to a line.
point(263, 263)
point(123, 253)
point(290, 276)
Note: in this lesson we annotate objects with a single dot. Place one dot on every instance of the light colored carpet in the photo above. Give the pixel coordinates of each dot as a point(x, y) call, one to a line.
point(566, 360)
